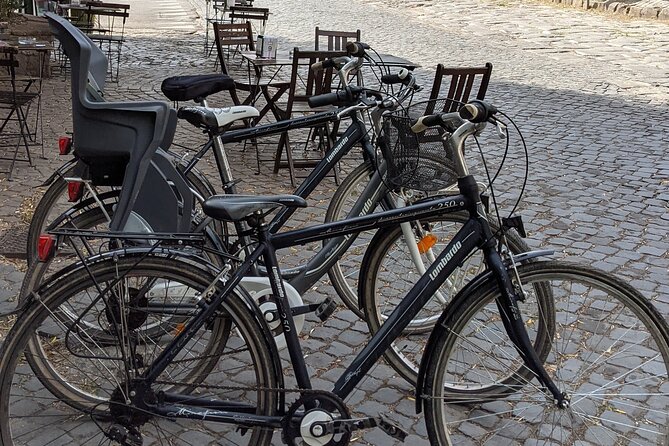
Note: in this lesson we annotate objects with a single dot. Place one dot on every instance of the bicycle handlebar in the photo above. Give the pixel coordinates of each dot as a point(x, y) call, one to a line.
point(404, 76)
point(475, 111)
point(345, 97)
point(323, 64)
point(357, 49)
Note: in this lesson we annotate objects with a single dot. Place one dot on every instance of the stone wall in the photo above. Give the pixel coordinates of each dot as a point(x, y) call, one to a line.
point(631, 8)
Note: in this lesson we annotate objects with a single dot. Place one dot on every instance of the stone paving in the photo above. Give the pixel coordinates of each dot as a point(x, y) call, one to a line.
point(589, 92)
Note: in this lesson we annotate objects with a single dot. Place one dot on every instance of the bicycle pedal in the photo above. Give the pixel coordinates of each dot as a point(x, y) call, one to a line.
point(392, 430)
point(325, 309)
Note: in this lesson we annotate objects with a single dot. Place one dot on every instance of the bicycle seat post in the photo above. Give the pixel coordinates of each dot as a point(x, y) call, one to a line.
point(220, 156)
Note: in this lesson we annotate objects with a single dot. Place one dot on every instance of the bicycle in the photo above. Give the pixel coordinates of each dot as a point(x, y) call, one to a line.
point(144, 393)
point(329, 258)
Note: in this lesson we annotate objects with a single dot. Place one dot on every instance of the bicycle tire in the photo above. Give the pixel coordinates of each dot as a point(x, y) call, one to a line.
point(57, 192)
point(344, 273)
point(621, 400)
point(81, 413)
point(388, 273)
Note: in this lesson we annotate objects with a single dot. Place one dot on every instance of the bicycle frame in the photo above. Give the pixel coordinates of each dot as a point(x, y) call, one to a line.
point(305, 276)
point(474, 234)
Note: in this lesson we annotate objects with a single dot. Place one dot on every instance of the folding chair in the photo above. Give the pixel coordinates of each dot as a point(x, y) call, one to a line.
point(250, 14)
point(16, 103)
point(109, 32)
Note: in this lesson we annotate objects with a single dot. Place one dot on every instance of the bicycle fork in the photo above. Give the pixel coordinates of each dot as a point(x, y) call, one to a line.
point(512, 319)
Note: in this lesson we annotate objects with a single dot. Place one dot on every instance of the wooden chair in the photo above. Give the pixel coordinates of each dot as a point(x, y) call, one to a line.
point(16, 102)
point(250, 14)
point(229, 38)
point(336, 40)
point(305, 83)
point(462, 82)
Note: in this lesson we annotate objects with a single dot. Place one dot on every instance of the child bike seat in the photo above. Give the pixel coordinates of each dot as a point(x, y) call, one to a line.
point(116, 140)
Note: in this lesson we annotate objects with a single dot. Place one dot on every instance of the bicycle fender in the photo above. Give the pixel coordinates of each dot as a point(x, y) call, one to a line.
point(59, 173)
point(480, 280)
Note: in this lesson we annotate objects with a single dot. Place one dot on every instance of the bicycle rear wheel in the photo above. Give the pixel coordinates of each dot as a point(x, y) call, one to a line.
point(609, 354)
point(83, 347)
point(344, 273)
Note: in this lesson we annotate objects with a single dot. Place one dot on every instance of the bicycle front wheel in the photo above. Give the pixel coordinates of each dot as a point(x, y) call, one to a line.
point(609, 355)
point(86, 341)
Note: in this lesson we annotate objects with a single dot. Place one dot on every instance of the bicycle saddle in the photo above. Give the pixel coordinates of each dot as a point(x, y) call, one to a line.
point(238, 207)
point(216, 118)
point(186, 88)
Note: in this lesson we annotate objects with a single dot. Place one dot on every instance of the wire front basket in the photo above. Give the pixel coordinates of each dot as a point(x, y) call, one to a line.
point(417, 161)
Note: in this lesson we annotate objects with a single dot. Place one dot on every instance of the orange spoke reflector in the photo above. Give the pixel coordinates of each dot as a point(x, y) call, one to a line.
point(426, 243)
point(179, 329)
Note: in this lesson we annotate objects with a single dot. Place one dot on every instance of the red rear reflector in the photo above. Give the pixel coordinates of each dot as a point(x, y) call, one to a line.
point(75, 190)
point(64, 145)
point(46, 247)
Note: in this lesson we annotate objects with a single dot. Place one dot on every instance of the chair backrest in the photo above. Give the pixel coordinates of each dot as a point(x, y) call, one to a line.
point(304, 82)
point(232, 34)
point(109, 14)
point(335, 40)
point(463, 81)
point(8, 59)
point(250, 14)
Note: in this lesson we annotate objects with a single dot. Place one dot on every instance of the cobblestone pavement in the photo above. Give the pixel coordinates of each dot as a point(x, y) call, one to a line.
point(589, 92)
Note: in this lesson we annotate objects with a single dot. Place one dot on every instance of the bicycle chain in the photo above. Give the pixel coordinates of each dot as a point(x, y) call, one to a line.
point(251, 389)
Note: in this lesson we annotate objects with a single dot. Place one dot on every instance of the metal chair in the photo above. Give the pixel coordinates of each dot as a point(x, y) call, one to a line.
point(16, 102)
point(250, 14)
point(336, 40)
point(109, 31)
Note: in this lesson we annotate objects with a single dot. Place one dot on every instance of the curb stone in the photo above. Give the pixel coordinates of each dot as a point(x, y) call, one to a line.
point(630, 8)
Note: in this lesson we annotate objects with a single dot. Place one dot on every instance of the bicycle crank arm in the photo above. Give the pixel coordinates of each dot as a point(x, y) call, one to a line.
point(347, 426)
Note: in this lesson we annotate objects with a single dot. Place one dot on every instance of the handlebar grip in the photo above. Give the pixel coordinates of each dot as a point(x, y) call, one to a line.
point(424, 122)
point(356, 49)
point(323, 99)
point(343, 97)
point(477, 110)
point(402, 77)
point(322, 65)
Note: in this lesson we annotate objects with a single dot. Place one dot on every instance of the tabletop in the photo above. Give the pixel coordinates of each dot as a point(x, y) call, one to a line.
point(25, 44)
point(258, 61)
point(388, 60)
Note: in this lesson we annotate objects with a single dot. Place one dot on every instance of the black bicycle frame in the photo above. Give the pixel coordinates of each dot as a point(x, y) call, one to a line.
point(472, 235)
point(305, 276)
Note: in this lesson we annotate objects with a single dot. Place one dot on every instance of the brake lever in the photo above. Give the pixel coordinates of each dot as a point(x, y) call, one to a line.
point(502, 129)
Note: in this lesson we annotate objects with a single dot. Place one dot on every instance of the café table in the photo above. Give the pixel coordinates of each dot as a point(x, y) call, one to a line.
point(257, 73)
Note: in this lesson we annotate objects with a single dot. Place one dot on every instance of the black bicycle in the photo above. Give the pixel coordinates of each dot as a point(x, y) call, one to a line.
point(361, 192)
point(539, 352)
